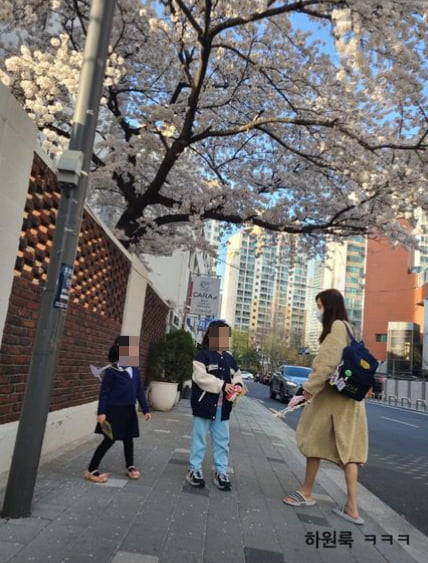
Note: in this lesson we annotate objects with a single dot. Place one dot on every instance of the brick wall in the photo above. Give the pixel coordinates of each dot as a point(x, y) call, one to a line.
point(95, 311)
point(86, 339)
point(391, 293)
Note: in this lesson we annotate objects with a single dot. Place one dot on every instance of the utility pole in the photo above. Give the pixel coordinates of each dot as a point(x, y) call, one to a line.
point(73, 167)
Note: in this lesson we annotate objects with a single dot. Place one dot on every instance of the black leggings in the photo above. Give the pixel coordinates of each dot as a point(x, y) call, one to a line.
point(106, 444)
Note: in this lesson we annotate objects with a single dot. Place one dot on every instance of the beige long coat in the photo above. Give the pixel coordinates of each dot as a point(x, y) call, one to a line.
point(332, 427)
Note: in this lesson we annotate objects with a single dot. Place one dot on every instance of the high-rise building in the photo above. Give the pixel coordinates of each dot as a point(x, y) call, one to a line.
point(212, 236)
point(419, 256)
point(264, 287)
point(312, 325)
point(344, 270)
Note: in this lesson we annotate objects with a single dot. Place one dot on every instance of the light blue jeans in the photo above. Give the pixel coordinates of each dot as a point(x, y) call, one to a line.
point(219, 430)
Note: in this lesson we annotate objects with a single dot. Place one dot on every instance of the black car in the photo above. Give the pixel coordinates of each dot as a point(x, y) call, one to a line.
point(287, 380)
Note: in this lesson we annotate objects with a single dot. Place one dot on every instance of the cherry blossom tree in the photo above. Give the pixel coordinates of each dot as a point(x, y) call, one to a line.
point(232, 110)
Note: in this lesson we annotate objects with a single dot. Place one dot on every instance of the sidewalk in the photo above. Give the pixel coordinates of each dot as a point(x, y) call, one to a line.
point(161, 519)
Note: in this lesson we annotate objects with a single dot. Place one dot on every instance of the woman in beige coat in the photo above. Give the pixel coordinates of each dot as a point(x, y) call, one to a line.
point(332, 427)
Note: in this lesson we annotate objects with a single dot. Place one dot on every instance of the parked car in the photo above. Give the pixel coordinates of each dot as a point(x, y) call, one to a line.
point(247, 375)
point(287, 380)
point(380, 378)
point(378, 385)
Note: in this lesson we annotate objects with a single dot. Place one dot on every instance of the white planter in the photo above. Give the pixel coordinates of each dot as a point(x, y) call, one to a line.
point(163, 395)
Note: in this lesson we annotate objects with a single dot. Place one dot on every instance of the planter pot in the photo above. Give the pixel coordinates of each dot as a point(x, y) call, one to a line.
point(163, 395)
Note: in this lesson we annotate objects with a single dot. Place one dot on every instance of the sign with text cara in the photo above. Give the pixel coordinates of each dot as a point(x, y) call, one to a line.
point(204, 299)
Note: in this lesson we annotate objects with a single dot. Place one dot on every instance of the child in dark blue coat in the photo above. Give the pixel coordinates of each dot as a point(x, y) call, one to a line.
point(216, 378)
point(121, 387)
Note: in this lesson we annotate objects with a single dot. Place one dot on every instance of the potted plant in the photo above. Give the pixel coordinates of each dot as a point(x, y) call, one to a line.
point(169, 365)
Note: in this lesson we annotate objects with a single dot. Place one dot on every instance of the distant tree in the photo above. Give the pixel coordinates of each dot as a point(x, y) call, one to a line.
point(240, 342)
point(250, 360)
point(230, 110)
point(274, 349)
point(244, 351)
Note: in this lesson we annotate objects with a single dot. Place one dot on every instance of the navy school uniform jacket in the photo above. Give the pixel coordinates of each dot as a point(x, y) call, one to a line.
point(118, 389)
point(211, 371)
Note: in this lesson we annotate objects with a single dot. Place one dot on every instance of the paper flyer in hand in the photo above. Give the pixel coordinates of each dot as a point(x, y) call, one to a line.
point(107, 430)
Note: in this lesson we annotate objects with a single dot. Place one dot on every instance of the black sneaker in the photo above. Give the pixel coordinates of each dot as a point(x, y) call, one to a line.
point(195, 478)
point(222, 481)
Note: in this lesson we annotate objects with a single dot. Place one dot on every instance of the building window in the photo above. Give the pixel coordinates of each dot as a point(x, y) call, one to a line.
point(380, 337)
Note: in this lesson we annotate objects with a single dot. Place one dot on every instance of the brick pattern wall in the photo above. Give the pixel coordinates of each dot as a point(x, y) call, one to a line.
point(153, 326)
point(38, 225)
point(95, 311)
point(100, 274)
point(100, 270)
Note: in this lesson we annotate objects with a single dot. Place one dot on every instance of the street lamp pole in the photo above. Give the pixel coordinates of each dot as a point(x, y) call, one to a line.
point(73, 167)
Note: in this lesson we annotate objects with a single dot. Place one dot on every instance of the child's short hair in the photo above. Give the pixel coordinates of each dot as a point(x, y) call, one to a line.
point(113, 354)
point(213, 325)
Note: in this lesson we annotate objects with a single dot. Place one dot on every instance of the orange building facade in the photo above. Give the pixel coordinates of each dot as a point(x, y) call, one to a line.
point(392, 294)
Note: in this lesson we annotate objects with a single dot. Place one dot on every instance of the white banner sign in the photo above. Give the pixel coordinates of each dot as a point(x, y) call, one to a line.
point(205, 296)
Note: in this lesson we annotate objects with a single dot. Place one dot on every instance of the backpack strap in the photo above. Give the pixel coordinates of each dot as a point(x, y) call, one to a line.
point(348, 330)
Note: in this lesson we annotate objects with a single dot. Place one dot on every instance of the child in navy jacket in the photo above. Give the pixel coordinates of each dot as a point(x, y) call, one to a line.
point(216, 376)
point(121, 387)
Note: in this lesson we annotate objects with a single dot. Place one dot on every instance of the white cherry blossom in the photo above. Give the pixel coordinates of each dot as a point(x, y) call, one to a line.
point(232, 110)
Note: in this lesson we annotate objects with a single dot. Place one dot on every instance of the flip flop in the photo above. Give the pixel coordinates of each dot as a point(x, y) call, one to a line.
point(298, 500)
point(359, 521)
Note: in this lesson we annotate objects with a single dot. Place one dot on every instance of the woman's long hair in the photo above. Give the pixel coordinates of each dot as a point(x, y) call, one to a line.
point(214, 324)
point(334, 309)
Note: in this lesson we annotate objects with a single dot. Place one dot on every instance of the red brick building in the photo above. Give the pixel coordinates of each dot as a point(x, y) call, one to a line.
point(393, 293)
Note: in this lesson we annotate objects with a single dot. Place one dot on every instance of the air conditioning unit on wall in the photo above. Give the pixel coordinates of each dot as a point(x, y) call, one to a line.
point(174, 320)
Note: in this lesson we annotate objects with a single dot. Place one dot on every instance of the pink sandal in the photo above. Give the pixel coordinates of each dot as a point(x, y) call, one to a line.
point(96, 476)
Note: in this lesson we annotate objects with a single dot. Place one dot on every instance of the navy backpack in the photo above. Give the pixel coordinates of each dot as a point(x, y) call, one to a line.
point(354, 375)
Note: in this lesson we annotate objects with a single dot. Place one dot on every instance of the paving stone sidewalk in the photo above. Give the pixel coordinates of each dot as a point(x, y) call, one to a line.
point(162, 519)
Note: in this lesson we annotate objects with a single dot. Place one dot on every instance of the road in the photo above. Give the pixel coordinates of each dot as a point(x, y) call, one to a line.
point(397, 466)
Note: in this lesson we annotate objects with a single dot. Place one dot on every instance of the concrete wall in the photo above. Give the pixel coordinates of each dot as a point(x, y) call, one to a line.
point(62, 429)
point(170, 275)
point(17, 145)
point(135, 298)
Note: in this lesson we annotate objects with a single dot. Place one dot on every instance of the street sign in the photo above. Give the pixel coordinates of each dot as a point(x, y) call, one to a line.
point(204, 297)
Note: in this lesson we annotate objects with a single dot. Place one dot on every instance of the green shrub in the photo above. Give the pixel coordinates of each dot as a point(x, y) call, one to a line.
point(171, 359)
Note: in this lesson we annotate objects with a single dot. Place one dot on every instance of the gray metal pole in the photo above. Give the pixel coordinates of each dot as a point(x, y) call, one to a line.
point(35, 407)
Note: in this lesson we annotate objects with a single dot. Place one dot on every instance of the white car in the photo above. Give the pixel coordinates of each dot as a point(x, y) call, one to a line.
point(247, 375)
